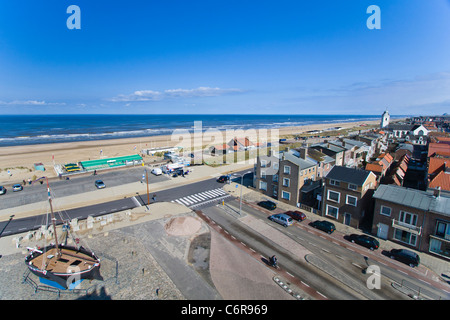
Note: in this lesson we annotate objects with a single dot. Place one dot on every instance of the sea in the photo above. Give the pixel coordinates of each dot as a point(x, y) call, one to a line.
point(41, 129)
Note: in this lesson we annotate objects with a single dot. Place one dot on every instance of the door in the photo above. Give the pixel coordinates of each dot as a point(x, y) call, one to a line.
point(383, 231)
point(347, 218)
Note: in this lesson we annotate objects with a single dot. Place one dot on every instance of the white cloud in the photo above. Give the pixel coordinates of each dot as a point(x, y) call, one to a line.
point(150, 95)
point(31, 103)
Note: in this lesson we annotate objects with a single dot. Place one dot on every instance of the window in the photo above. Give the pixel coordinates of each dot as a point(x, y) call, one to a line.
point(263, 174)
point(352, 186)
point(333, 196)
point(351, 200)
point(332, 211)
point(286, 182)
point(263, 163)
point(275, 166)
point(287, 170)
point(262, 185)
point(286, 195)
point(405, 236)
point(275, 178)
point(334, 182)
point(443, 229)
point(408, 218)
point(385, 211)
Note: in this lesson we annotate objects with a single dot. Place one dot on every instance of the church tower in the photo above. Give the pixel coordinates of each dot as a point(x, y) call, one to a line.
point(385, 119)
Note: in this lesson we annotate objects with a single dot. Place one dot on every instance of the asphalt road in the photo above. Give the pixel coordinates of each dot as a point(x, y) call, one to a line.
point(347, 261)
point(32, 223)
point(76, 185)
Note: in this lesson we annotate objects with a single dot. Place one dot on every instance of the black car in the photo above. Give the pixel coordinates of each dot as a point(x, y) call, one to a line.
point(269, 205)
point(365, 241)
point(223, 179)
point(406, 256)
point(324, 226)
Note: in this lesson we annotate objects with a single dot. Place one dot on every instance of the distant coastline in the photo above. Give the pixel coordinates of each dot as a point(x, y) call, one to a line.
point(22, 130)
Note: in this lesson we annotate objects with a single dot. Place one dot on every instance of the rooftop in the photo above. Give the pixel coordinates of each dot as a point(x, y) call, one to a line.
point(301, 163)
point(413, 198)
point(349, 175)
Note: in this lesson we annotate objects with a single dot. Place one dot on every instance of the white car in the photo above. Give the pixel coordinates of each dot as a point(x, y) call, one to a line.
point(156, 171)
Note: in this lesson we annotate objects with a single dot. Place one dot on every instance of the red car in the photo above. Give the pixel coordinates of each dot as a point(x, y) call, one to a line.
point(296, 215)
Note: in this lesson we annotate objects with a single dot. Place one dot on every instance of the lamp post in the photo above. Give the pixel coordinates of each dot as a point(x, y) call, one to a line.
point(242, 182)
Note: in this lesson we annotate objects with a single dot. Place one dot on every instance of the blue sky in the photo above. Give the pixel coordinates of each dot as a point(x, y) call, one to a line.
point(254, 57)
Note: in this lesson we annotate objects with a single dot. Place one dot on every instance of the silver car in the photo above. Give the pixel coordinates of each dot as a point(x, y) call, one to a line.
point(282, 219)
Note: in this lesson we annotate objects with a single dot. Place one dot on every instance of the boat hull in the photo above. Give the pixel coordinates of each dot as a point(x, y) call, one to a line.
point(71, 274)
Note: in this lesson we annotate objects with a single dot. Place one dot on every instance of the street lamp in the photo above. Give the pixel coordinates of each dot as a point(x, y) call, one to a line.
point(242, 182)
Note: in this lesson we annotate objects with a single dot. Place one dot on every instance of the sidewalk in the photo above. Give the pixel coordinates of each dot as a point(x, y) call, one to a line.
point(431, 267)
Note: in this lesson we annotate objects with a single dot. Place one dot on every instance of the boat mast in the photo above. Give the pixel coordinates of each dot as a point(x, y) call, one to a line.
point(58, 251)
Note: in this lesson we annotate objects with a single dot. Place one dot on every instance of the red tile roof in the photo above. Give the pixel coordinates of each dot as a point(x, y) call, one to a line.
point(438, 148)
point(437, 164)
point(441, 180)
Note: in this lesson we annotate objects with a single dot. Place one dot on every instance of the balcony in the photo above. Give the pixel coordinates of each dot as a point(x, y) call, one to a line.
point(406, 227)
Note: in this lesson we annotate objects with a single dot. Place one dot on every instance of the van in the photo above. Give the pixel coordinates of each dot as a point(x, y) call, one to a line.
point(282, 219)
point(406, 256)
point(156, 171)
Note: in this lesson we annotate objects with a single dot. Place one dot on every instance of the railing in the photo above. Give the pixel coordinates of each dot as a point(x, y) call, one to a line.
point(406, 227)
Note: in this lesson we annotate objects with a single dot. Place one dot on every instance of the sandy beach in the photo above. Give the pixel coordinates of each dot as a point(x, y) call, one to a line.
point(20, 160)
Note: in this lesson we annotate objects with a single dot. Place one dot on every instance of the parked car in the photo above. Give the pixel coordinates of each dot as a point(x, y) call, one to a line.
point(365, 241)
point(17, 187)
point(156, 171)
point(296, 215)
point(2, 190)
point(269, 205)
point(99, 184)
point(406, 256)
point(324, 226)
point(282, 219)
point(223, 179)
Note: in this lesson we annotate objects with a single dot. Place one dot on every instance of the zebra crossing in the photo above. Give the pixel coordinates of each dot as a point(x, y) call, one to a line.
point(201, 198)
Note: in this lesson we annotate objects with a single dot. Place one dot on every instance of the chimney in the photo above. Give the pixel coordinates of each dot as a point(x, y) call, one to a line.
point(303, 153)
point(437, 192)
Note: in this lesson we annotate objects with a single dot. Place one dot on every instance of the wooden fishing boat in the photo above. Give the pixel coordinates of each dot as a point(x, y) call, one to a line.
point(60, 263)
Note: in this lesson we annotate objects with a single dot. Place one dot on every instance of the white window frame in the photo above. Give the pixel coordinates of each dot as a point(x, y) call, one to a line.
point(288, 184)
point(261, 183)
point(263, 174)
point(288, 195)
point(263, 163)
point(335, 182)
point(351, 204)
point(331, 215)
point(339, 196)
point(351, 185)
point(288, 171)
point(411, 216)
point(384, 214)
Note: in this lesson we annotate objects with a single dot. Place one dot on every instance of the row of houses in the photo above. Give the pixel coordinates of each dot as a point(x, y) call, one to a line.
point(234, 145)
point(357, 181)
